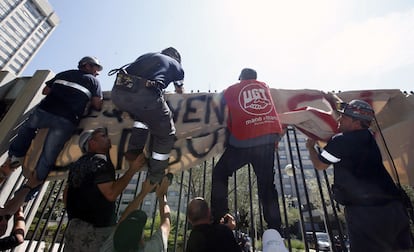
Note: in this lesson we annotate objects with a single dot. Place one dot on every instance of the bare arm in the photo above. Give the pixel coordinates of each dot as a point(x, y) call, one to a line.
point(96, 103)
point(165, 213)
point(133, 205)
point(46, 90)
point(111, 190)
point(179, 87)
point(313, 155)
point(19, 226)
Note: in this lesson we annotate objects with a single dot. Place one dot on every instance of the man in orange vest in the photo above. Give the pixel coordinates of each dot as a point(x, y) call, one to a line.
point(254, 132)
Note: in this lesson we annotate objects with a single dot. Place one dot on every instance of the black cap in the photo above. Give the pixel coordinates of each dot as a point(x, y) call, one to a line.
point(248, 74)
point(173, 53)
point(129, 232)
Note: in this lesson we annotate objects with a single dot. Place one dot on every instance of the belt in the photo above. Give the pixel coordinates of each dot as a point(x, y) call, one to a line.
point(132, 83)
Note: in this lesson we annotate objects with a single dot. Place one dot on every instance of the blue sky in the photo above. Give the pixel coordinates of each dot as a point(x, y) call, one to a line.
point(321, 44)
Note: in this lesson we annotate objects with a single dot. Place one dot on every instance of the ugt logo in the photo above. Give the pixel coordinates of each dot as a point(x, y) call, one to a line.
point(254, 100)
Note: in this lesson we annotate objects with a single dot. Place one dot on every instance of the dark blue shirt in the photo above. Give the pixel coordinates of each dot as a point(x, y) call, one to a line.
point(358, 166)
point(157, 67)
point(212, 237)
point(70, 91)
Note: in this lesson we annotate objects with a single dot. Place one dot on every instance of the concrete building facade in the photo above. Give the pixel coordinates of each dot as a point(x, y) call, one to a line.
point(25, 25)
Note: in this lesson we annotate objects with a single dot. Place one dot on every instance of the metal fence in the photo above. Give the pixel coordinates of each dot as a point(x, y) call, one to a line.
point(304, 196)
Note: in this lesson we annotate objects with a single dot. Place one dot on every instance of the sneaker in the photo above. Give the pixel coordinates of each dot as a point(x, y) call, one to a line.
point(273, 242)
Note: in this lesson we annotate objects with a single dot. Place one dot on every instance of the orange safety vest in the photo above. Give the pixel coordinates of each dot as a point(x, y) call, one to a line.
point(252, 112)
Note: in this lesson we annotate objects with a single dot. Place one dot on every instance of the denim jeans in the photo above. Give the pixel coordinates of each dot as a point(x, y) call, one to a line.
point(60, 130)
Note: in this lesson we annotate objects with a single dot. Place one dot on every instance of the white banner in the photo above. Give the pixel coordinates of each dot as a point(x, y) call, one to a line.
point(200, 121)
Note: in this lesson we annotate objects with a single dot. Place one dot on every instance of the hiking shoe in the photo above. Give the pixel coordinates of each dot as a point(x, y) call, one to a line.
point(12, 162)
point(170, 177)
point(15, 162)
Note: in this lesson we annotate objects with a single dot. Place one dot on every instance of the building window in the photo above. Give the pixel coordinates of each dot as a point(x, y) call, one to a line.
point(14, 68)
point(33, 10)
point(23, 21)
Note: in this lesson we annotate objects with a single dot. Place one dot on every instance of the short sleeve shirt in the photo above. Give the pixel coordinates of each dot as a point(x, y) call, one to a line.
point(158, 67)
point(358, 163)
point(70, 91)
point(84, 200)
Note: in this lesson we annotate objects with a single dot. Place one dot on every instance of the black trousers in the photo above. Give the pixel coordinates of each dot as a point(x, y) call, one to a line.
point(262, 159)
point(382, 228)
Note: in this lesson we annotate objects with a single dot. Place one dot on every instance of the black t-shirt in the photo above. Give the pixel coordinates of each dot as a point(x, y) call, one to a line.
point(212, 237)
point(84, 199)
point(70, 91)
point(358, 164)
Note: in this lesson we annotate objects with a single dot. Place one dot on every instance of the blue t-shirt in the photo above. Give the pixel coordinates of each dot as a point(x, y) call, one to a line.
point(70, 91)
point(157, 67)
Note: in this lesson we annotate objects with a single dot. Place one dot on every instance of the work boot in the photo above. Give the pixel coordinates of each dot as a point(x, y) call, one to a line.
point(155, 177)
point(170, 177)
point(13, 162)
point(8, 167)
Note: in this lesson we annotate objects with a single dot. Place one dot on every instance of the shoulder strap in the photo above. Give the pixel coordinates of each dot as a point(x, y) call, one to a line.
point(116, 70)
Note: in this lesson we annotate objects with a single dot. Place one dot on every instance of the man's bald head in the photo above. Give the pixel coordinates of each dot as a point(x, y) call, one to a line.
point(198, 211)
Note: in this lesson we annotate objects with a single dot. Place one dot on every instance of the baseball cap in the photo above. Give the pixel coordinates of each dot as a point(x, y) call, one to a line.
point(90, 60)
point(86, 136)
point(248, 74)
point(129, 232)
point(273, 242)
point(173, 53)
point(357, 109)
point(83, 140)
